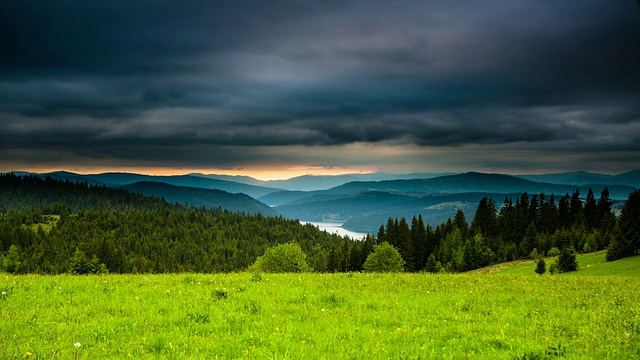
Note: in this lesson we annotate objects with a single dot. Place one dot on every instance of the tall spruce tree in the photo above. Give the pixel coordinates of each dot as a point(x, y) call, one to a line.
point(485, 220)
point(629, 222)
point(591, 216)
point(419, 243)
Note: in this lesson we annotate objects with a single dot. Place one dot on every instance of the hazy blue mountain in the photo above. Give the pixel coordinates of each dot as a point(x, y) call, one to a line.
point(210, 198)
point(320, 182)
point(248, 180)
point(345, 207)
point(631, 178)
point(296, 197)
point(367, 211)
point(476, 182)
point(571, 178)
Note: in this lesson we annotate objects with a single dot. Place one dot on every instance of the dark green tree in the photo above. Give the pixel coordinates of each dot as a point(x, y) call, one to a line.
point(530, 241)
point(616, 249)
point(576, 212)
point(591, 215)
point(605, 215)
point(460, 222)
point(567, 260)
point(432, 265)
point(629, 223)
point(541, 267)
point(485, 220)
point(405, 245)
point(419, 241)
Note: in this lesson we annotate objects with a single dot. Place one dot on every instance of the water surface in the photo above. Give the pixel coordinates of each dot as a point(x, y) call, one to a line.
point(336, 228)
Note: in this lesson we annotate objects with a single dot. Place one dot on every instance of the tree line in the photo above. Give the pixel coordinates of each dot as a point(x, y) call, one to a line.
point(50, 226)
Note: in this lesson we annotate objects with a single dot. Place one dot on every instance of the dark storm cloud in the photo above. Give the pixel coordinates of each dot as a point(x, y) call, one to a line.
point(103, 78)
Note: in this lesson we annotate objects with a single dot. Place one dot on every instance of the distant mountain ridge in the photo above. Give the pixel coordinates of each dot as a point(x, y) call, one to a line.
point(120, 179)
point(477, 182)
point(631, 178)
point(361, 205)
point(321, 182)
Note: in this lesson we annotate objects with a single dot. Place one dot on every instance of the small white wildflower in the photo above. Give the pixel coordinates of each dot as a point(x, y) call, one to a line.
point(77, 344)
point(273, 315)
point(4, 293)
point(322, 309)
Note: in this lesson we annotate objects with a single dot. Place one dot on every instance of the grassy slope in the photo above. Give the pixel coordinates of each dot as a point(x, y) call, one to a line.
point(316, 316)
point(593, 264)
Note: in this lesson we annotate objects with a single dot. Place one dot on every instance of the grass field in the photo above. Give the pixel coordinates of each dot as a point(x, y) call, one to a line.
point(316, 316)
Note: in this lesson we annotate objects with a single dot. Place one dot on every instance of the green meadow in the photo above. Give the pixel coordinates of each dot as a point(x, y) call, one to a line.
point(508, 314)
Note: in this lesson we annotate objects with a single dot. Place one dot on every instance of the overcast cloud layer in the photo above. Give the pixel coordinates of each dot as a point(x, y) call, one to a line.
point(515, 85)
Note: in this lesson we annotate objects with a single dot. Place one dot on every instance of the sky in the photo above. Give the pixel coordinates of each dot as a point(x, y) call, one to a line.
point(274, 89)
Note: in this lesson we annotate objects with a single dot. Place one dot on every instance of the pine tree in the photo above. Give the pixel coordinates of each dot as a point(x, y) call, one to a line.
point(629, 222)
point(530, 241)
point(563, 212)
point(567, 260)
point(460, 222)
point(541, 267)
point(591, 216)
point(576, 212)
point(606, 217)
point(419, 243)
point(432, 265)
point(485, 220)
point(615, 250)
point(405, 245)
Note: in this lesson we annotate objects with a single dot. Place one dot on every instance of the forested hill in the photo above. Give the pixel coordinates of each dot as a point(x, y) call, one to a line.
point(210, 198)
point(120, 179)
point(46, 225)
point(20, 192)
point(50, 195)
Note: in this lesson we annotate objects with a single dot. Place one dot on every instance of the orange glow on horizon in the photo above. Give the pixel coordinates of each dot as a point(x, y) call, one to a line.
point(264, 174)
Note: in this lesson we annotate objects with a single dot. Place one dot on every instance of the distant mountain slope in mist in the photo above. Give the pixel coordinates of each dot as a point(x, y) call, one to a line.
point(210, 198)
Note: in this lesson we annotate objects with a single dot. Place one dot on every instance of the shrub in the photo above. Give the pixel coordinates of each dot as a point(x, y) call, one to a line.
point(281, 259)
point(384, 258)
point(81, 265)
point(553, 251)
